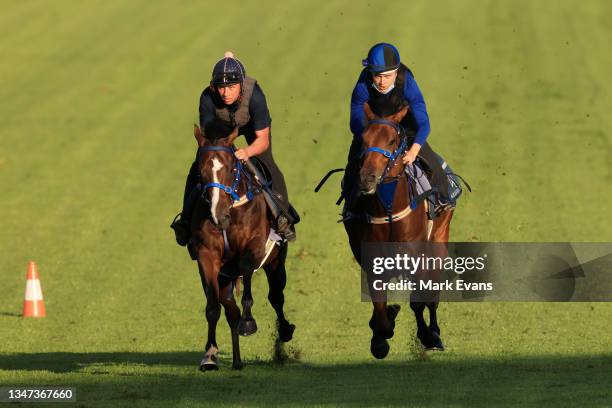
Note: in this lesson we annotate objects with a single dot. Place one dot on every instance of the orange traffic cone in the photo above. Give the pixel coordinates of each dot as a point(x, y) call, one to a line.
point(34, 305)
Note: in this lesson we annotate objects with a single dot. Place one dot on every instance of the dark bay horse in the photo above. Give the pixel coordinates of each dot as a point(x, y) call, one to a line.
point(230, 239)
point(384, 142)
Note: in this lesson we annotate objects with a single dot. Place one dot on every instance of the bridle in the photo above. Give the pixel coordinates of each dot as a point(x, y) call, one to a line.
point(238, 170)
point(391, 156)
point(385, 185)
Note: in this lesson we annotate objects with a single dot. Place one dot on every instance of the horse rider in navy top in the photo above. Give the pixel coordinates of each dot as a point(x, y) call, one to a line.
point(387, 86)
point(237, 100)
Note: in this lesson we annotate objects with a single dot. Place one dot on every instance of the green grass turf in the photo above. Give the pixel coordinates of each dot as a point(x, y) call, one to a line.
point(97, 102)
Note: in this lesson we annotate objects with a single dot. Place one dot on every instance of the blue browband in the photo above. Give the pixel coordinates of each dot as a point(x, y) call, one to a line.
point(233, 189)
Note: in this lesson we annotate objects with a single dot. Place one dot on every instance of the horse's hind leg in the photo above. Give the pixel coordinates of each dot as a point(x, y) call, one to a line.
point(439, 236)
point(428, 335)
point(433, 325)
point(277, 279)
point(247, 324)
point(422, 330)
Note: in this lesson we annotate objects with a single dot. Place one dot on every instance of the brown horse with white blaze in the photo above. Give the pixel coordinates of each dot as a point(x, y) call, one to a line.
point(383, 145)
point(230, 230)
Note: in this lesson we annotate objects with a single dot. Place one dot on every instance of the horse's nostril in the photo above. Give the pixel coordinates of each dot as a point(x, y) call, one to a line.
point(369, 178)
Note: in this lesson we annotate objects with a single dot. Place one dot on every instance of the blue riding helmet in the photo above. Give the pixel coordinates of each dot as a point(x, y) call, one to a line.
point(228, 71)
point(382, 57)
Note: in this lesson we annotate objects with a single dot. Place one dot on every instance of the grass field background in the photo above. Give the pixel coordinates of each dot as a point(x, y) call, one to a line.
point(97, 103)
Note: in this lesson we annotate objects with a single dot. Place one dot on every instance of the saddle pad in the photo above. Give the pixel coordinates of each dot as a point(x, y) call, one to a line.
point(424, 187)
point(416, 173)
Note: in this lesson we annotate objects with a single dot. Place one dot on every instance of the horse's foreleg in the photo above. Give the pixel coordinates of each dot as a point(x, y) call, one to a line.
point(213, 311)
point(277, 279)
point(379, 322)
point(382, 324)
point(433, 319)
point(232, 314)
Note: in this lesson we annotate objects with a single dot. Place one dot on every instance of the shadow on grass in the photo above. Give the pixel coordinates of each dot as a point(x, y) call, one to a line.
point(511, 381)
point(11, 314)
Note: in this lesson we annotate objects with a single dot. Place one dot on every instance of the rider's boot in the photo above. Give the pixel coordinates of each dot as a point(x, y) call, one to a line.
point(182, 222)
point(182, 229)
point(285, 229)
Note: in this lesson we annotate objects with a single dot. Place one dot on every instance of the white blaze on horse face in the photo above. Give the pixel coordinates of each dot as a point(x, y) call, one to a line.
point(215, 196)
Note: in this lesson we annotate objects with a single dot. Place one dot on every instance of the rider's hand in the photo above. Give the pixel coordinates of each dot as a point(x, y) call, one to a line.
point(242, 154)
point(411, 155)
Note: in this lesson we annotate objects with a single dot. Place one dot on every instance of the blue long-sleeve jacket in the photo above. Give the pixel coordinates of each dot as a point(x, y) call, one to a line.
point(412, 94)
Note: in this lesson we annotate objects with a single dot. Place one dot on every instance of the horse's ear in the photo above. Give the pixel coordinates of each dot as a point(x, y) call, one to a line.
point(368, 111)
point(232, 136)
point(398, 116)
point(197, 132)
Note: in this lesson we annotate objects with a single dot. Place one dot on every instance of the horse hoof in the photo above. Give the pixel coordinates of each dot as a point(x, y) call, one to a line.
point(209, 363)
point(247, 327)
point(209, 367)
point(431, 342)
point(285, 333)
point(379, 347)
point(436, 343)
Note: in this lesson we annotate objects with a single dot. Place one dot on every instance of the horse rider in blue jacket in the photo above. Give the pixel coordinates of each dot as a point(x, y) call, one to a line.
point(387, 86)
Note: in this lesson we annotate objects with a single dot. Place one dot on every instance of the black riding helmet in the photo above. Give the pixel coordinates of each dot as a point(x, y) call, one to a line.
point(228, 71)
